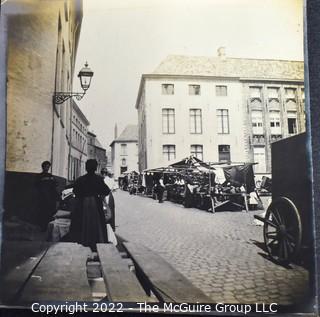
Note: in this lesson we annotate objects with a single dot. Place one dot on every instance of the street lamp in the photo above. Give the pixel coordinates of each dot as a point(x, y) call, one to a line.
point(85, 76)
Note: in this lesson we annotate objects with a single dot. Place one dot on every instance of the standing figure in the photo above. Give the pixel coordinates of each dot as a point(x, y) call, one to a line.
point(109, 181)
point(160, 189)
point(88, 225)
point(47, 195)
point(188, 194)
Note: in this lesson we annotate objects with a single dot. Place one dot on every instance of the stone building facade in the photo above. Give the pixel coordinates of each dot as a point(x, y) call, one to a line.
point(78, 151)
point(96, 151)
point(42, 40)
point(124, 151)
point(275, 110)
point(109, 161)
point(219, 109)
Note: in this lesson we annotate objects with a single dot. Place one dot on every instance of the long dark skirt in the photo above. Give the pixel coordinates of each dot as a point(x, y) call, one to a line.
point(88, 222)
point(113, 212)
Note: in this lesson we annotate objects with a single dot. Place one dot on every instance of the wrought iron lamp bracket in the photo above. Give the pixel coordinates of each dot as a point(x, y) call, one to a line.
point(61, 97)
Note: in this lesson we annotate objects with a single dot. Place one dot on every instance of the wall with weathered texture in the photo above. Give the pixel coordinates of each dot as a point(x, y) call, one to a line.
point(42, 42)
point(31, 79)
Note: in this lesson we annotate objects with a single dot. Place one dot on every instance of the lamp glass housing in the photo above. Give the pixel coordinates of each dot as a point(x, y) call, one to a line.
point(85, 76)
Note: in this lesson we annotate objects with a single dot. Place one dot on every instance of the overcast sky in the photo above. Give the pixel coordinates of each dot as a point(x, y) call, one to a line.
point(122, 39)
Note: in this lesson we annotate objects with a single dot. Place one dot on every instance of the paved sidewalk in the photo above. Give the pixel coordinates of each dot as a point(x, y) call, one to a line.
point(219, 252)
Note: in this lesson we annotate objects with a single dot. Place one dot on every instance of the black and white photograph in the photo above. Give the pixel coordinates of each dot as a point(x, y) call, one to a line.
point(156, 157)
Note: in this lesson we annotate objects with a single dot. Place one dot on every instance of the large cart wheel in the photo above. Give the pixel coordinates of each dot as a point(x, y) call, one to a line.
point(282, 230)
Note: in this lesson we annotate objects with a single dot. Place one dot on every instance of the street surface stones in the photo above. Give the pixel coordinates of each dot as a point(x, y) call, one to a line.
point(220, 253)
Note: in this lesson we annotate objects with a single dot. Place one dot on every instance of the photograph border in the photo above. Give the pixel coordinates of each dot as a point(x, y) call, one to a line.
point(312, 86)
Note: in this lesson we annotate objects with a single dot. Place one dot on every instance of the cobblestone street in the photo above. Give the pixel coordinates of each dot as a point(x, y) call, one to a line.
point(220, 253)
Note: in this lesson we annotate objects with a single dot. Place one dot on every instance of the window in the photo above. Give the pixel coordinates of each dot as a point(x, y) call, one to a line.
point(259, 156)
point(290, 93)
point(292, 125)
point(223, 121)
point(257, 122)
point(255, 92)
point(221, 90)
point(275, 126)
point(124, 162)
point(167, 89)
point(123, 169)
point(195, 121)
point(194, 89)
point(123, 149)
point(169, 152)
point(302, 94)
point(273, 92)
point(292, 122)
point(197, 151)
point(224, 153)
point(168, 126)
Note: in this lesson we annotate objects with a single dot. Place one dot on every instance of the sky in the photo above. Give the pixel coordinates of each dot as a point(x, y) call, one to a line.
point(123, 39)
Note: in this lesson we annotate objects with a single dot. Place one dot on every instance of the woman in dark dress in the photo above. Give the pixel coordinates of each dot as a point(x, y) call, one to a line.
point(88, 225)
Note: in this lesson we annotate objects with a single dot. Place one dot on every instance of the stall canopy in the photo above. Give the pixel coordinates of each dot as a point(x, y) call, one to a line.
point(236, 174)
point(192, 162)
point(239, 174)
point(130, 172)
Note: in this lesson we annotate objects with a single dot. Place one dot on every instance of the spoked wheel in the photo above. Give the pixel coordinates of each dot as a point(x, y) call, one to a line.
point(282, 230)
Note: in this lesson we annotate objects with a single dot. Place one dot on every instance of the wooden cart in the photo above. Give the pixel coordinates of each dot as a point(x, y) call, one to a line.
point(288, 220)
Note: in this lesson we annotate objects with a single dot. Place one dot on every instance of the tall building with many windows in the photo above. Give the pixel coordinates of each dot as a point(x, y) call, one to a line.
point(218, 109)
point(78, 150)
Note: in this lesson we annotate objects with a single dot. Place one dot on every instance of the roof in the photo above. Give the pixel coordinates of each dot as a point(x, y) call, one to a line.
point(91, 134)
point(98, 144)
point(129, 134)
point(180, 66)
point(231, 67)
point(96, 141)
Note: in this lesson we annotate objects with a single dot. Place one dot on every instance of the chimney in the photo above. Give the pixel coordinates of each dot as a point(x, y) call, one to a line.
point(115, 131)
point(222, 52)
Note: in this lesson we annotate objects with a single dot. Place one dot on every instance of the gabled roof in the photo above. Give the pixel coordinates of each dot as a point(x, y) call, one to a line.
point(98, 144)
point(231, 67)
point(129, 134)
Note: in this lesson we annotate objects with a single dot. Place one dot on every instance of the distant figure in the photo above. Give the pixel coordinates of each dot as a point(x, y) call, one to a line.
point(253, 201)
point(160, 189)
point(188, 193)
point(88, 225)
point(109, 181)
point(47, 195)
point(179, 181)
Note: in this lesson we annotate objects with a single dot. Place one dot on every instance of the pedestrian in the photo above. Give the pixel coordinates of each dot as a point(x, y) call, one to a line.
point(46, 186)
point(189, 193)
point(88, 226)
point(109, 181)
point(253, 201)
point(160, 189)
